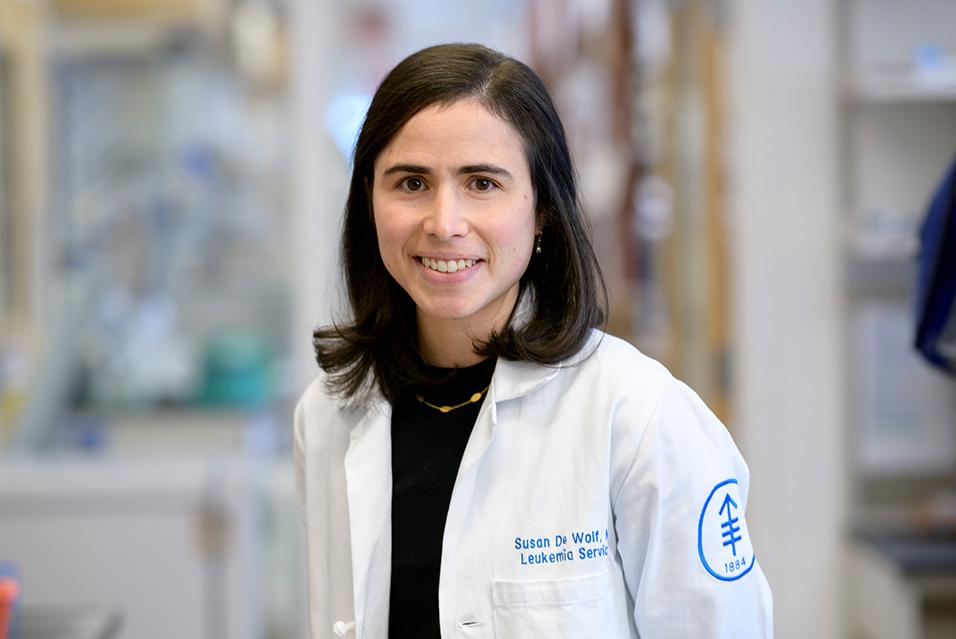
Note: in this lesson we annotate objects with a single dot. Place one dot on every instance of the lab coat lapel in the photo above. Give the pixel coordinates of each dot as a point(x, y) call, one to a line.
point(510, 381)
point(368, 478)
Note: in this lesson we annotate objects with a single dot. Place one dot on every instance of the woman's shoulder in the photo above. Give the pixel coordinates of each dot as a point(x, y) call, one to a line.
point(606, 354)
point(621, 372)
point(624, 366)
point(321, 415)
point(317, 391)
point(320, 399)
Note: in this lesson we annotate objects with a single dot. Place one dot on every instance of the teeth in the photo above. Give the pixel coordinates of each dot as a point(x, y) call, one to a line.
point(447, 266)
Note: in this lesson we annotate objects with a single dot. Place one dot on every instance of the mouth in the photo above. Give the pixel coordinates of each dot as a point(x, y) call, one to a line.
point(446, 265)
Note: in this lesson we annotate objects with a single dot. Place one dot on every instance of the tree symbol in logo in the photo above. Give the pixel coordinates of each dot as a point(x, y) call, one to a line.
point(731, 531)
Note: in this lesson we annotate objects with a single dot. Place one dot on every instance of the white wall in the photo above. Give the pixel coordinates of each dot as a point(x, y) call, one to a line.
point(787, 306)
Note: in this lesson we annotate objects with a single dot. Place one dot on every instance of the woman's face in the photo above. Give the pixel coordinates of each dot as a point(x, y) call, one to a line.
point(454, 213)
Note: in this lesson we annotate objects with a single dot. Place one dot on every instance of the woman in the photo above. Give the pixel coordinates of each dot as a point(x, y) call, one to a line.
point(476, 459)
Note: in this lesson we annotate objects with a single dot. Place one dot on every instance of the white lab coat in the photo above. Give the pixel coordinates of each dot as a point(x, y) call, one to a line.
point(598, 499)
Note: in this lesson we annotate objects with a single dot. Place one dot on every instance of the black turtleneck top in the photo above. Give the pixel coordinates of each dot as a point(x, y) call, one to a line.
point(427, 448)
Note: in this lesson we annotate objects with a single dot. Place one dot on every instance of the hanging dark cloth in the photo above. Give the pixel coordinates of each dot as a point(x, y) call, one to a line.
point(936, 283)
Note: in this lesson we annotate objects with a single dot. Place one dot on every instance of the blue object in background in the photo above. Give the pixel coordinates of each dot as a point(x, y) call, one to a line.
point(344, 119)
point(936, 284)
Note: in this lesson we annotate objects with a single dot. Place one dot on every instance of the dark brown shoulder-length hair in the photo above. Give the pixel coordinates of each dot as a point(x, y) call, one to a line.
point(562, 289)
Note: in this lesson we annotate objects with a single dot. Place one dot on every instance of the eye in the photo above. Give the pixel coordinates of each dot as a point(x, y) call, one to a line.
point(412, 184)
point(483, 184)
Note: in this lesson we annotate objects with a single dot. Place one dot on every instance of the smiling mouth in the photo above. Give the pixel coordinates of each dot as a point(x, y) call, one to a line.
point(446, 266)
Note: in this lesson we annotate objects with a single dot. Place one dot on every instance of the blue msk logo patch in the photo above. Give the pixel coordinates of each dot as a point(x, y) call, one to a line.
point(723, 540)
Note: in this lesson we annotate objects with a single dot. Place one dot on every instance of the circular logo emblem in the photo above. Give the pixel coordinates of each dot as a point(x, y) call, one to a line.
point(722, 537)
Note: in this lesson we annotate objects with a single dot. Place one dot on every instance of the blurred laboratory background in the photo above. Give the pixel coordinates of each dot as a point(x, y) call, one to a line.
point(172, 179)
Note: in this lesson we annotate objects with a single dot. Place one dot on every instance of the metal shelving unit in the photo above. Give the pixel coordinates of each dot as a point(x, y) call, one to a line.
point(899, 134)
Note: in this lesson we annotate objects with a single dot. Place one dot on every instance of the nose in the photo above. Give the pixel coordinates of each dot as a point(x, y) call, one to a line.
point(445, 218)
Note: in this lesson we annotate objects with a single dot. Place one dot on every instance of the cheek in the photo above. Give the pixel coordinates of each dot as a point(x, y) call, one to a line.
point(385, 247)
point(389, 241)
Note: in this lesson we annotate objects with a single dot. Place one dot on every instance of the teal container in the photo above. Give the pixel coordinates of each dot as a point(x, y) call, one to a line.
point(237, 371)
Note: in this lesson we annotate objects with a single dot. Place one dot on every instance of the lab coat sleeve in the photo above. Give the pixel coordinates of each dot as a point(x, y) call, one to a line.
point(674, 471)
point(298, 455)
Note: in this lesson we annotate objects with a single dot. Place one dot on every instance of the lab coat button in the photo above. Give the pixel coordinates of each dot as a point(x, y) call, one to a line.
point(341, 628)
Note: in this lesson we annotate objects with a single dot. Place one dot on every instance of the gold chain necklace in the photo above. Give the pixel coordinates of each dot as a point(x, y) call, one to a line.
point(447, 409)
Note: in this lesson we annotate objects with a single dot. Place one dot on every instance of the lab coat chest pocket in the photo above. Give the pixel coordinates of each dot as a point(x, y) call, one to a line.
point(556, 608)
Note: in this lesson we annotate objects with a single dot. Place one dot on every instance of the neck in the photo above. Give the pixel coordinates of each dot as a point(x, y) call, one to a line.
point(447, 345)
point(450, 343)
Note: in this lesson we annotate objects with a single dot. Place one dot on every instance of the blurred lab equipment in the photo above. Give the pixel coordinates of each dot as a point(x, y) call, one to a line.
point(9, 601)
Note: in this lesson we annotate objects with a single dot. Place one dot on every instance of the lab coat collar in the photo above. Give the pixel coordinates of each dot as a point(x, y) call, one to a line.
point(514, 379)
point(511, 380)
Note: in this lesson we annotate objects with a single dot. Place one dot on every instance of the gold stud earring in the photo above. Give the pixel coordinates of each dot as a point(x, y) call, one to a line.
point(537, 244)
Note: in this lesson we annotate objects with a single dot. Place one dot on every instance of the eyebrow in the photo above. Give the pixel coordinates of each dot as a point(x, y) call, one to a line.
point(484, 168)
point(407, 168)
point(464, 170)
